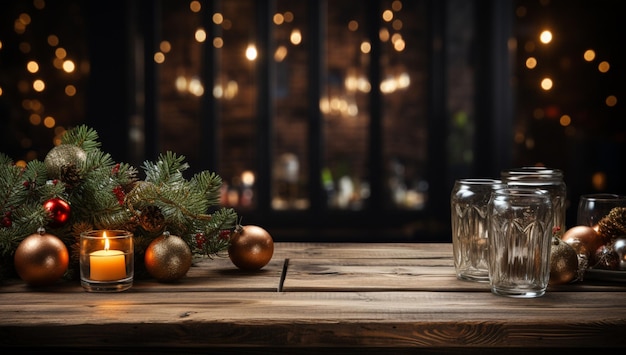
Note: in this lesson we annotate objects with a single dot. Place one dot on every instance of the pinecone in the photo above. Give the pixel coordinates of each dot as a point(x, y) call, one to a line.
point(152, 219)
point(613, 224)
point(70, 175)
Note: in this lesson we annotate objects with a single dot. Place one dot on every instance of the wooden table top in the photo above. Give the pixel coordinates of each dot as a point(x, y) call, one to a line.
point(389, 297)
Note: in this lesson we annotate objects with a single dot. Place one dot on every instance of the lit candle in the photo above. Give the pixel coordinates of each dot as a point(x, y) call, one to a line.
point(107, 265)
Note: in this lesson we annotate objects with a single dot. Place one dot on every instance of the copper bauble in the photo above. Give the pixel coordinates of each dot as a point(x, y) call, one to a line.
point(41, 259)
point(251, 247)
point(563, 262)
point(63, 155)
point(585, 240)
point(168, 258)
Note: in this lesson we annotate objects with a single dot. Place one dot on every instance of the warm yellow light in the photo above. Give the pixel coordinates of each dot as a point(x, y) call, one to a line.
point(589, 55)
point(32, 66)
point(60, 53)
point(366, 47)
point(384, 35)
point(232, 88)
point(218, 42)
point(180, 83)
point(49, 122)
point(200, 35)
point(531, 62)
point(69, 66)
point(546, 84)
point(565, 120)
point(53, 40)
point(247, 177)
point(57, 63)
point(397, 24)
point(353, 25)
point(159, 57)
point(280, 54)
point(19, 27)
point(195, 87)
point(611, 100)
point(165, 46)
point(0, 90)
point(218, 18)
point(396, 5)
point(598, 180)
point(39, 85)
point(399, 45)
point(387, 15)
point(604, 67)
point(288, 16)
point(545, 37)
point(251, 52)
point(24, 18)
point(70, 90)
point(295, 37)
point(195, 6)
point(34, 119)
point(278, 19)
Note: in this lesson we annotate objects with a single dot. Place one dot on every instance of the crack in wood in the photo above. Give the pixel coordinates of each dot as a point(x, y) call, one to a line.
point(283, 275)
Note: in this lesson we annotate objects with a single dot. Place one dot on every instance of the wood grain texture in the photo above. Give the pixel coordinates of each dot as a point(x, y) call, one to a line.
point(337, 297)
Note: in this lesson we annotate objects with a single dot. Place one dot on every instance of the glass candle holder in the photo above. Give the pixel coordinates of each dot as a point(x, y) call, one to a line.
point(106, 260)
point(593, 207)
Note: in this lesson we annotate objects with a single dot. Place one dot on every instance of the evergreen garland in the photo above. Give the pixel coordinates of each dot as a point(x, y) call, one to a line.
point(104, 194)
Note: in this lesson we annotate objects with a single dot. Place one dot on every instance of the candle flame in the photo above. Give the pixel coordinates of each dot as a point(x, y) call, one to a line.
point(106, 241)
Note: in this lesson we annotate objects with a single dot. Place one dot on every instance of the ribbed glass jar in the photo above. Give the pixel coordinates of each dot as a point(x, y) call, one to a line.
point(543, 178)
point(468, 204)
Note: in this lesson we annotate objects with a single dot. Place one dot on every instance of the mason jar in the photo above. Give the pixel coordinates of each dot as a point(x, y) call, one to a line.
point(468, 205)
point(545, 179)
point(520, 235)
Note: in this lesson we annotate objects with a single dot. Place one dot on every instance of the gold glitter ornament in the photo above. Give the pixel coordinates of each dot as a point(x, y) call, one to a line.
point(168, 258)
point(613, 225)
point(41, 259)
point(61, 156)
point(563, 262)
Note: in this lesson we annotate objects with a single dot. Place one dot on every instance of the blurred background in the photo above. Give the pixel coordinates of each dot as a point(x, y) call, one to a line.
point(343, 120)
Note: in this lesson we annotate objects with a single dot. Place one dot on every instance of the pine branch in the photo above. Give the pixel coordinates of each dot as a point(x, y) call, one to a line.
point(223, 219)
point(83, 137)
point(96, 161)
point(26, 220)
point(208, 184)
point(167, 169)
point(13, 191)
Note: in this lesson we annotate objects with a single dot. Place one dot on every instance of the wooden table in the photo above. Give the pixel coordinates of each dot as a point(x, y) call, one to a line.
point(316, 298)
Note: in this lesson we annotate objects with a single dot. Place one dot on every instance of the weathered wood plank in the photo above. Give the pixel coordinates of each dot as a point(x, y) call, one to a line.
point(315, 319)
point(380, 296)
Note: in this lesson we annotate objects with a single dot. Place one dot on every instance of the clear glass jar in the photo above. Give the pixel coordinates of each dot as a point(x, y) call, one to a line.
point(468, 206)
point(545, 179)
point(520, 235)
